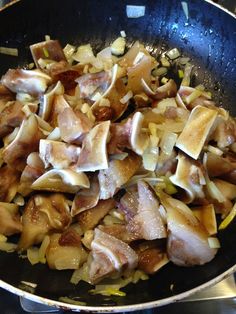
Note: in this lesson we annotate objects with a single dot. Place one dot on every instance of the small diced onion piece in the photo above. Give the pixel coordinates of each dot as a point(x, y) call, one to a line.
point(194, 95)
point(43, 249)
point(150, 159)
point(127, 97)
point(173, 53)
point(165, 62)
point(3, 238)
point(88, 238)
point(214, 192)
point(47, 38)
point(9, 51)
point(138, 58)
point(159, 71)
point(80, 274)
point(214, 150)
point(122, 34)
point(55, 135)
point(33, 255)
point(30, 284)
point(71, 301)
point(118, 46)
point(7, 247)
point(19, 200)
point(168, 142)
point(69, 51)
point(214, 243)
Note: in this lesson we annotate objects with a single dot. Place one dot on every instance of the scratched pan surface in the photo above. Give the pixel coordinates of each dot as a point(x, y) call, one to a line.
point(208, 36)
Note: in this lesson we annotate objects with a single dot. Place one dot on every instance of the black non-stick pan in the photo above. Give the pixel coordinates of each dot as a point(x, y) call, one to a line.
point(205, 33)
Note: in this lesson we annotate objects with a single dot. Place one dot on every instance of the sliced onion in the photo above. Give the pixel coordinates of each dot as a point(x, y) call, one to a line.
point(71, 301)
point(229, 218)
point(9, 51)
point(173, 53)
point(168, 142)
point(150, 160)
point(127, 97)
point(55, 135)
point(120, 156)
point(33, 255)
point(214, 243)
point(159, 71)
point(214, 150)
point(43, 249)
point(138, 58)
point(214, 192)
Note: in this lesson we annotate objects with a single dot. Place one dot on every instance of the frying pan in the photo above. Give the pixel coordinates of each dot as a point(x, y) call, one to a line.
point(204, 32)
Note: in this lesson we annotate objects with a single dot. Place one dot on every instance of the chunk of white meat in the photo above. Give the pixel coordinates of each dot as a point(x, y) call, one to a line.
point(33, 82)
point(118, 173)
point(10, 222)
point(93, 155)
point(11, 117)
point(25, 142)
point(73, 125)
point(187, 238)
point(65, 251)
point(110, 256)
point(147, 223)
point(58, 154)
point(41, 215)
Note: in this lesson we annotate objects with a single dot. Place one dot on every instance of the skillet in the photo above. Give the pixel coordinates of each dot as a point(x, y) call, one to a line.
point(206, 34)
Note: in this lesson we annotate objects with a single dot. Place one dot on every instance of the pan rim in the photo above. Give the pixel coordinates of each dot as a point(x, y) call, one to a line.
point(118, 308)
point(219, 6)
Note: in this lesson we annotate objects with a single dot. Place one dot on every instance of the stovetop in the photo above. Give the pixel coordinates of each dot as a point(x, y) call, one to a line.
point(218, 299)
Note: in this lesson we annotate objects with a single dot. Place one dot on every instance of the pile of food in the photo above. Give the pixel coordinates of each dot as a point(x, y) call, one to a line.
point(110, 167)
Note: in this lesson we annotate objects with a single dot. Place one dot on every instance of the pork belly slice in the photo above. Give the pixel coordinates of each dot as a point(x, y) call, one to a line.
point(189, 176)
point(90, 218)
point(61, 180)
point(11, 117)
point(25, 142)
point(93, 155)
point(118, 173)
point(33, 170)
point(10, 222)
point(196, 131)
point(65, 251)
point(187, 238)
point(58, 154)
point(32, 82)
point(73, 125)
point(86, 198)
point(147, 223)
point(109, 256)
point(9, 182)
point(49, 49)
point(42, 214)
